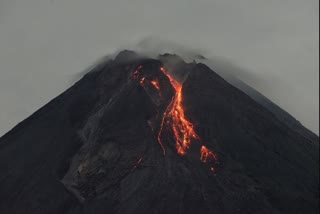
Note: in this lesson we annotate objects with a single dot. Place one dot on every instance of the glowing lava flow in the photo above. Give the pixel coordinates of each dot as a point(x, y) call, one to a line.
point(174, 117)
point(182, 129)
point(206, 155)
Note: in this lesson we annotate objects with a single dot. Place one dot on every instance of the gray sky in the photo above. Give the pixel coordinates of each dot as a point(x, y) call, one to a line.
point(44, 43)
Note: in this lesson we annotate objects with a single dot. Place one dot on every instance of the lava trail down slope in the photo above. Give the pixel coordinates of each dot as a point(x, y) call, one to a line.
point(174, 117)
point(141, 135)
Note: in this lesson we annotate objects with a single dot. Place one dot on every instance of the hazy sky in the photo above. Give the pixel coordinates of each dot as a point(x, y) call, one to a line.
point(44, 43)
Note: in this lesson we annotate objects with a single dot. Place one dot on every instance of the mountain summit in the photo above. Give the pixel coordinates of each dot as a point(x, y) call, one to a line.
point(158, 136)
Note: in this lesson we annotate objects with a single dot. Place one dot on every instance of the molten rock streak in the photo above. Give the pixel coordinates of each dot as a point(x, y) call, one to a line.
point(206, 155)
point(182, 128)
point(174, 117)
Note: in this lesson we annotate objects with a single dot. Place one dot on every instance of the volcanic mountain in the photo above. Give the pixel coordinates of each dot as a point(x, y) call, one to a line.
point(158, 136)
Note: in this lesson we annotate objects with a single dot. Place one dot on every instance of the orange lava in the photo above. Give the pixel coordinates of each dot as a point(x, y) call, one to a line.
point(136, 72)
point(174, 117)
point(155, 83)
point(206, 155)
point(182, 128)
point(142, 80)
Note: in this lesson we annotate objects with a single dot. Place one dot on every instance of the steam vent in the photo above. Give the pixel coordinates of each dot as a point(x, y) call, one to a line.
point(158, 136)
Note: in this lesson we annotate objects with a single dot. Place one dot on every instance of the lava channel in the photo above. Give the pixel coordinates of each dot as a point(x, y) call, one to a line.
point(174, 117)
point(182, 129)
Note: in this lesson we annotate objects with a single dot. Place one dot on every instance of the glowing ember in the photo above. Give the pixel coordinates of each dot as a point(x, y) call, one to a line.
point(136, 165)
point(136, 72)
point(155, 83)
point(206, 155)
point(142, 80)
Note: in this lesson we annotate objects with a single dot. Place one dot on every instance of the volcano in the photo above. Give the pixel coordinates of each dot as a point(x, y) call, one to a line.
point(158, 136)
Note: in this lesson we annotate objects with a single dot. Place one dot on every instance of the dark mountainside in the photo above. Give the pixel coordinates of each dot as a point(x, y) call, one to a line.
point(110, 144)
point(280, 114)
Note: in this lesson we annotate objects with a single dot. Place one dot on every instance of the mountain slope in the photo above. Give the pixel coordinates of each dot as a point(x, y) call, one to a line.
point(110, 144)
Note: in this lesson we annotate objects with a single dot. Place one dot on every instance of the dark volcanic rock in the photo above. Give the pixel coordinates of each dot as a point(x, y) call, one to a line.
point(94, 149)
